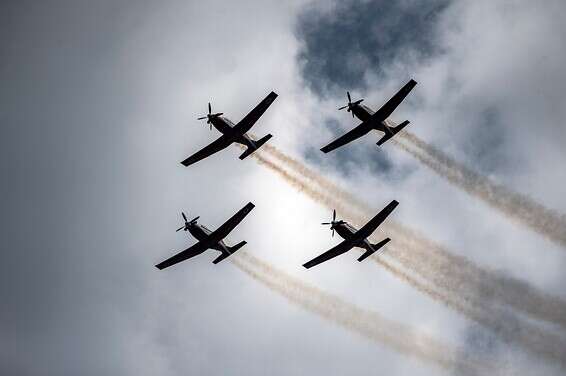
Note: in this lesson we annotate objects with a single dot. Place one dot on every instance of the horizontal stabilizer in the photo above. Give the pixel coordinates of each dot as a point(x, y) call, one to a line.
point(237, 246)
point(257, 145)
point(220, 258)
point(375, 248)
point(392, 132)
point(231, 250)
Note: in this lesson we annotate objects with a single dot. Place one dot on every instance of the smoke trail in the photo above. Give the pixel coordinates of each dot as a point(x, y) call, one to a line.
point(333, 203)
point(325, 200)
point(316, 178)
point(301, 186)
point(423, 288)
point(369, 324)
point(463, 278)
point(509, 328)
point(455, 288)
point(434, 262)
point(517, 206)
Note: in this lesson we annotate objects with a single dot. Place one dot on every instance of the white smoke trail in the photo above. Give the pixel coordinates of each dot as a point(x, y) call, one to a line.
point(432, 261)
point(514, 205)
point(508, 327)
point(369, 324)
point(531, 338)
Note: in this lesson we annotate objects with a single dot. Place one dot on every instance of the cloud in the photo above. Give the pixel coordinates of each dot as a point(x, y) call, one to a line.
point(343, 42)
point(99, 102)
point(485, 96)
point(98, 105)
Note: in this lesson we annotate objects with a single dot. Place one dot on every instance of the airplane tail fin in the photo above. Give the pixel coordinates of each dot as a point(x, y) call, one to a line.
point(374, 248)
point(392, 132)
point(231, 250)
point(257, 145)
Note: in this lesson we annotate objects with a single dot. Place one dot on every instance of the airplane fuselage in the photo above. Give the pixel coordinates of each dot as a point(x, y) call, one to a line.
point(346, 231)
point(225, 126)
point(200, 233)
point(364, 113)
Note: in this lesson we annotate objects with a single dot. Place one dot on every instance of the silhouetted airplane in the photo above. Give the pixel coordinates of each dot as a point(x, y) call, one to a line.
point(233, 132)
point(354, 238)
point(372, 120)
point(208, 239)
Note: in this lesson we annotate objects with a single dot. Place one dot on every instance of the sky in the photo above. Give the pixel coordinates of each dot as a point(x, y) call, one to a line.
point(98, 105)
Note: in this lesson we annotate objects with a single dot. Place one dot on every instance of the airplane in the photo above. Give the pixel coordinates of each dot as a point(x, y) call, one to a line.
point(372, 120)
point(232, 132)
point(354, 238)
point(208, 239)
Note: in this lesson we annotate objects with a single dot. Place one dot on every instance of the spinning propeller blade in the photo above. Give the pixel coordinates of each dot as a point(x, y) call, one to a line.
point(333, 223)
point(187, 222)
point(210, 115)
point(350, 104)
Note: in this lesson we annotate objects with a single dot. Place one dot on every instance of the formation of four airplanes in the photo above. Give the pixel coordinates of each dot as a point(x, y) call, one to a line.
point(236, 133)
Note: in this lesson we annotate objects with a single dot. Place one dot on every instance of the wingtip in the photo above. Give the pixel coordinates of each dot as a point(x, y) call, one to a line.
point(309, 264)
point(382, 141)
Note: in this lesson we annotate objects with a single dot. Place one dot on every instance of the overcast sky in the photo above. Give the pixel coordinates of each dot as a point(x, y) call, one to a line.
point(98, 104)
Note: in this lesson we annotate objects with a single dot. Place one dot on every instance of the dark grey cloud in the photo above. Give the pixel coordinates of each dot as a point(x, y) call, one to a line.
point(339, 46)
point(487, 142)
point(486, 73)
point(477, 342)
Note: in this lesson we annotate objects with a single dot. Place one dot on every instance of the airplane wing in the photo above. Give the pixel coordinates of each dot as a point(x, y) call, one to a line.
point(249, 120)
point(192, 251)
point(355, 133)
point(208, 150)
point(222, 231)
point(341, 248)
point(387, 109)
point(362, 233)
point(370, 227)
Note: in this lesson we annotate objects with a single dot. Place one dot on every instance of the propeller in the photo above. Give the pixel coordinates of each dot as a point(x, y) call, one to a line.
point(210, 115)
point(334, 222)
point(350, 103)
point(187, 222)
